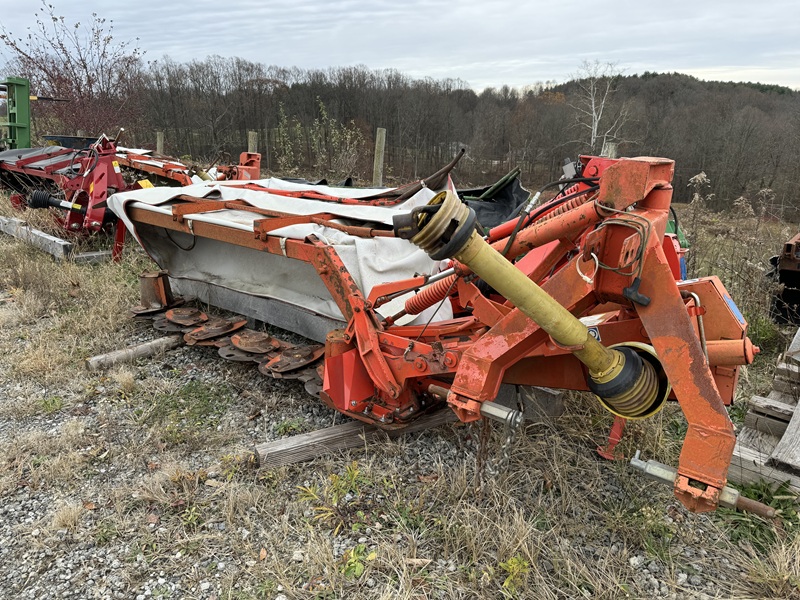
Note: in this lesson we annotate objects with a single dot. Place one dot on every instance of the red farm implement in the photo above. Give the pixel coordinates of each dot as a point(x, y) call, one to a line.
point(77, 182)
point(582, 292)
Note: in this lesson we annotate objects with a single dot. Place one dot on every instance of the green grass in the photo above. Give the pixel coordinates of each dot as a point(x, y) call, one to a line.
point(761, 533)
point(186, 415)
point(51, 404)
point(290, 426)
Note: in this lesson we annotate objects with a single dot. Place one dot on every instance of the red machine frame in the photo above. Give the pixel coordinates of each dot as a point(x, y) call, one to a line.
point(388, 374)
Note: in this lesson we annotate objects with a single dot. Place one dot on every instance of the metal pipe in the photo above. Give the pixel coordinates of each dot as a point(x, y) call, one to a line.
point(353, 229)
point(440, 275)
point(728, 496)
point(491, 410)
point(497, 186)
point(562, 226)
point(731, 352)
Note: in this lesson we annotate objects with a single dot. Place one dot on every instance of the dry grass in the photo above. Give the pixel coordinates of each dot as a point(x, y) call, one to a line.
point(736, 246)
point(66, 517)
point(776, 572)
point(49, 458)
point(70, 311)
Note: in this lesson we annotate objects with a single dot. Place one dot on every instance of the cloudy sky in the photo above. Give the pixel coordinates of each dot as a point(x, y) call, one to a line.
point(485, 43)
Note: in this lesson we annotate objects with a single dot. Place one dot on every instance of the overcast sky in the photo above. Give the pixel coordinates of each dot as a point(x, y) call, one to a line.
point(484, 43)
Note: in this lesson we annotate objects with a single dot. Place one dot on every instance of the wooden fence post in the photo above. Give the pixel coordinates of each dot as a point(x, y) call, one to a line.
point(252, 141)
point(159, 142)
point(377, 167)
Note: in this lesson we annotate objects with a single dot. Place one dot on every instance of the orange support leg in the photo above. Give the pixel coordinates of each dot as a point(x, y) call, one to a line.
point(710, 439)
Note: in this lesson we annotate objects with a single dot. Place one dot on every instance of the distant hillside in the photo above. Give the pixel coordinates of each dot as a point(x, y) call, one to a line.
point(745, 136)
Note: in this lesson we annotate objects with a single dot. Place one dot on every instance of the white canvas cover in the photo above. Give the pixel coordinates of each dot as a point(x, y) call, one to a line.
point(370, 261)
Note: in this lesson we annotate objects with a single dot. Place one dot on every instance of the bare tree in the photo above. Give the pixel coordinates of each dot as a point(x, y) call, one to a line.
point(82, 64)
point(598, 115)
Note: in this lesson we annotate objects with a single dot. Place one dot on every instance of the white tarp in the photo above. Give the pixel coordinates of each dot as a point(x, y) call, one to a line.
point(370, 261)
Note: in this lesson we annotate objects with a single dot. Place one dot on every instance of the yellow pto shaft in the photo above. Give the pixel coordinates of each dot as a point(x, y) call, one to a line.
point(624, 382)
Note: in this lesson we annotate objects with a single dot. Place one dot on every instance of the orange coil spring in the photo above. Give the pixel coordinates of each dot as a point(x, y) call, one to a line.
point(571, 189)
point(430, 295)
point(567, 206)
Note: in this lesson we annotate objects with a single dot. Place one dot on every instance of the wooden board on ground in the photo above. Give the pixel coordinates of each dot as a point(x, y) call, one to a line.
point(55, 246)
point(791, 388)
point(793, 353)
point(763, 443)
point(765, 423)
point(772, 408)
point(788, 370)
point(352, 434)
point(748, 466)
point(144, 350)
point(781, 397)
point(787, 452)
point(768, 446)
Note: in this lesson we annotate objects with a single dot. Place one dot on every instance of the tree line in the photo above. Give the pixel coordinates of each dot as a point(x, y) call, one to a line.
point(322, 123)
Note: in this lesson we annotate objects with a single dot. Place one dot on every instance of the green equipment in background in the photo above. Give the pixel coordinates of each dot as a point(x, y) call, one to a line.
point(15, 125)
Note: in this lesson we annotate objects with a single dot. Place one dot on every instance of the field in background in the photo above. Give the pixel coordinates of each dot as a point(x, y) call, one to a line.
point(137, 481)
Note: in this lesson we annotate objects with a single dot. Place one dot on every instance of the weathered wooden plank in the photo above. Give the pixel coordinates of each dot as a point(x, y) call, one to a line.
point(352, 434)
point(793, 353)
point(787, 452)
point(790, 388)
point(748, 466)
point(783, 398)
point(759, 441)
point(765, 423)
point(772, 408)
point(789, 371)
point(61, 249)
